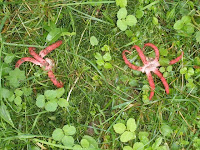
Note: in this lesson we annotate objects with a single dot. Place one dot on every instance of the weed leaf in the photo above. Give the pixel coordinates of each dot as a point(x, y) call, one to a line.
point(5, 115)
point(131, 125)
point(94, 41)
point(107, 57)
point(63, 103)
point(198, 36)
point(119, 128)
point(122, 13)
point(138, 146)
point(127, 136)
point(58, 134)
point(121, 24)
point(51, 106)
point(91, 140)
point(131, 20)
point(121, 3)
point(69, 130)
point(68, 141)
point(85, 143)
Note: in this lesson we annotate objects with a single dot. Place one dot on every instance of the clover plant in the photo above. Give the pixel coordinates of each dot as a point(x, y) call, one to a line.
point(65, 137)
point(51, 100)
point(104, 60)
point(127, 134)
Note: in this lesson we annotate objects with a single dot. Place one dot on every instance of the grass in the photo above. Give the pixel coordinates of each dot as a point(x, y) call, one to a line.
point(102, 102)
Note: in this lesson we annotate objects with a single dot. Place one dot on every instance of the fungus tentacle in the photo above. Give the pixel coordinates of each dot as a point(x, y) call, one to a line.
point(155, 49)
point(151, 84)
point(25, 59)
point(50, 48)
point(176, 59)
point(159, 74)
point(141, 54)
point(53, 79)
point(128, 62)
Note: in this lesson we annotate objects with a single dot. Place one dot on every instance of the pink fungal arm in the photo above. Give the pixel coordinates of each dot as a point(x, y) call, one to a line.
point(22, 60)
point(155, 49)
point(128, 63)
point(53, 79)
point(159, 74)
point(177, 59)
point(36, 56)
point(50, 48)
point(140, 53)
point(151, 83)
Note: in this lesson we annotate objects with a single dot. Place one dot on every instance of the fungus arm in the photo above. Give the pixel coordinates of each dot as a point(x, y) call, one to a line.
point(159, 74)
point(53, 79)
point(155, 49)
point(22, 60)
point(128, 63)
point(152, 85)
point(50, 48)
point(176, 59)
point(140, 53)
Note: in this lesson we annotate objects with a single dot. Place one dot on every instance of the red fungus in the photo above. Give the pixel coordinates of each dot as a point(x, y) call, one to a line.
point(47, 64)
point(150, 65)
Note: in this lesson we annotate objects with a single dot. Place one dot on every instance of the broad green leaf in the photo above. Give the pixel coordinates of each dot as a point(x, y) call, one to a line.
point(60, 92)
point(166, 130)
point(165, 74)
point(155, 21)
point(106, 48)
point(127, 136)
point(143, 136)
point(197, 61)
point(157, 143)
point(91, 140)
point(107, 57)
point(107, 66)
point(122, 13)
point(183, 70)
point(145, 88)
point(5, 115)
point(131, 20)
point(63, 103)
point(15, 77)
point(121, 24)
point(68, 141)
point(98, 56)
point(5, 93)
point(40, 101)
point(162, 69)
point(164, 61)
point(139, 14)
point(69, 130)
point(54, 35)
point(77, 147)
point(178, 25)
point(94, 41)
point(190, 71)
point(85, 143)
point(18, 92)
point(138, 146)
point(133, 82)
point(198, 36)
point(50, 94)
point(121, 3)
point(127, 148)
point(100, 62)
point(129, 33)
point(186, 19)
point(189, 29)
point(58, 134)
point(27, 91)
point(169, 68)
point(11, 98)
point(163, 52)
point(131, 125)
point(51, 106)
point(9, 57)
point(119, 128)
point(18, 100)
